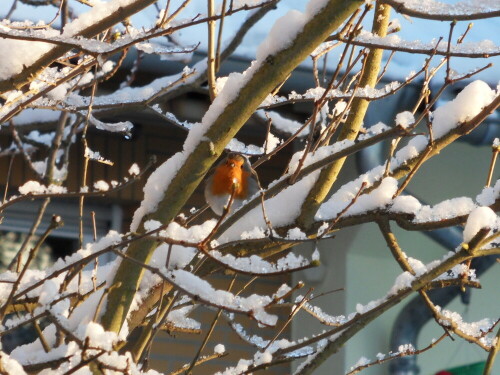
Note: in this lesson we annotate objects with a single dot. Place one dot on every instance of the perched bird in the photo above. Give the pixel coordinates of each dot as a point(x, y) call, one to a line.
point(233, 173)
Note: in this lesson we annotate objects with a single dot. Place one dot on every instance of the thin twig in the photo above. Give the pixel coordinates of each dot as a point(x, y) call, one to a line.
point(227, 210)
point(398, 355)
point(7, 178)
point(494, 154)
point(200, 361)
point(295, 310)
point(11, 10)
point(421, 160)
point(94, 227)
point(384, 70)
point(346, 208)
point(83, 183)
point(448, 58)
point(211, 51)
point(462, 37)
point(219, 36)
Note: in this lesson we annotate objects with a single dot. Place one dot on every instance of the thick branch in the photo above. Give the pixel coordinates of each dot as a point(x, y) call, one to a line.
point(354, 122)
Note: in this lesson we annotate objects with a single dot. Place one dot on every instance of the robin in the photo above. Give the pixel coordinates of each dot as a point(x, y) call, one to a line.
point(233, 173)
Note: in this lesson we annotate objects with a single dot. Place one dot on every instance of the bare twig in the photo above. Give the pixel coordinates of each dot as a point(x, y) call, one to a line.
point(211, 51)
point(7, 178)
point(494, 154)
point(83, 183)
point(392, 356)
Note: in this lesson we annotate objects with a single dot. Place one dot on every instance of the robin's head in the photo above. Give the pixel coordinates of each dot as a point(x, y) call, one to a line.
point(235, 160)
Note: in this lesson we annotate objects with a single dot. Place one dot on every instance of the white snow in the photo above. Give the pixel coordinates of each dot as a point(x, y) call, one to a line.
point(194, 233)
point(474, 329)
point(134, 170)
point(361, 362)
point(256, 265)
point(322, 316)
point(395, 41)
point(101, 185)
point(178, 317)
point(406, 348)
point(201, 289)
point(121, 127)
point(377, 199)
point(445, 210)
point(34, 187)
point(284, 124)
point(96, 155)
point(156, 186)
point(410, 151)
point(434, 7)
point(465, 106)
point(180, 256)
point(261, 358)
point(378, 128)
point(282, 33)
point(271, 143)
point(479, 218)
point(31, 115)
point(10, 365)
point(45, 139)
point(219, 349)
point(296, 234)
point(489, 194)
point(405, 204)
point(21, 53)
point(97, 336)
point(405, 119)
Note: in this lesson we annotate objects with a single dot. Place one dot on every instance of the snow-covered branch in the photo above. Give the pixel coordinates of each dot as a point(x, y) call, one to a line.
point(436, 10)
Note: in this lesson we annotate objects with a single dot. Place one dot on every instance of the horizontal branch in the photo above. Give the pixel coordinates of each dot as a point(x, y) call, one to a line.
point(462, 11)
point(394, 43)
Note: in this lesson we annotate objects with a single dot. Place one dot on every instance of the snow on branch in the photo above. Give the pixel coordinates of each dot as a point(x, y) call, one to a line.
point(436, 10)
point(316, 93)
point(253, 305)
point(256, 266)
point(403, 351)
point(117, 127)
point(394, 42)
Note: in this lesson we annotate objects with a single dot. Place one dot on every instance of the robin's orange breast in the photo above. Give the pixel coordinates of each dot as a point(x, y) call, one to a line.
point(227, 177)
